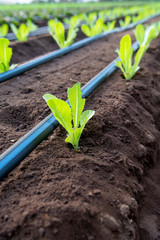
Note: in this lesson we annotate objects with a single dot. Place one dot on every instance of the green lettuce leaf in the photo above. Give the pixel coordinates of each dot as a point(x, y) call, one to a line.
point(76, 102)
point(5, 55)
point(61, 112)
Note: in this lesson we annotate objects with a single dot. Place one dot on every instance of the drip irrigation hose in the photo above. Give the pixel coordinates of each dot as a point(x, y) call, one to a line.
point(47, 57)
point(24, 146)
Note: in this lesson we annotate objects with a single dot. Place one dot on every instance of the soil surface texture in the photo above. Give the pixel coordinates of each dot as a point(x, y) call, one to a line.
point(35, 47)
point(109, 189)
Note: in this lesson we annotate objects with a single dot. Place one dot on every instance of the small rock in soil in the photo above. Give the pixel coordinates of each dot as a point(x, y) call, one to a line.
point(124, 210)
point(127, 123)
point(56, 220)
point(96, 191)
point(90, 194)
point(110, 222)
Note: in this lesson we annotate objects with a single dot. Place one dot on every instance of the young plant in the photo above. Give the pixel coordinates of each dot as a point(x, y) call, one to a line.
point(126, 21)
point(145, 36)
point(51, 25)
point(95, 30)
point(5, 55)
point(3, 30)
point(70, 117)
point(22, 32)
point(125, 53)
point(32, 27)
point(103, 15)
point(109, 26)
point(90, 19)
point(57, 31)
point(73, 21)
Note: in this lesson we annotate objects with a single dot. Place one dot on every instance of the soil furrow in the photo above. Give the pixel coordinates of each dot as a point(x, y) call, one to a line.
point(98, 192)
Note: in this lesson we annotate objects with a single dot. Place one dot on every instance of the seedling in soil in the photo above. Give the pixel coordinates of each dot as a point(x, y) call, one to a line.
point(22, 32)
point(73, 21)
point(126, 21)
point(145, 36)
point(3, 30)
point(32, 27)
point(90, 19)
point(71, 118)
point(94, 30)
point(125, 53)
point(57, 31)
point(5, 55)
point(109, 26)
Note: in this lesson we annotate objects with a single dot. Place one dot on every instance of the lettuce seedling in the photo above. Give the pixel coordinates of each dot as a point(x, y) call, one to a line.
point(109, 26)
point(5, 55)
point(145, 36)
point(90, 19)
point(126, 21)
point(57, 31)
point(22, 32)
point(125, 53)
point(32, 27)
point(51, 25)
point(3, 30)
point(73, 21)
point(95, 30)
point(70, 117)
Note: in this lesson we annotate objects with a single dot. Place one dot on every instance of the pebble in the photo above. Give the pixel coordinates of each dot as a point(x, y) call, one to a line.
point(150, 138)
point(110, 222)
point(127, 123)
point(124, 210)
point(96, 191)
point(134, 203)
point(90, 194)
point(142, 149)
point(56, 220)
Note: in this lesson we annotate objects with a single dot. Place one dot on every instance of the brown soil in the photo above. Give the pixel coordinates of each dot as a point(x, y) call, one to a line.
point(35, 47)
point(106, 190)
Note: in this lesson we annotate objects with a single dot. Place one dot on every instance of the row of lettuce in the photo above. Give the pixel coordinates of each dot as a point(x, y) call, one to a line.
point(95, 23)
point(144, 36)
point(17, 15)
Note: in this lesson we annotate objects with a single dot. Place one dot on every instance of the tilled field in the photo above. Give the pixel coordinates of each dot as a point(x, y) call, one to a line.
point(106, 190)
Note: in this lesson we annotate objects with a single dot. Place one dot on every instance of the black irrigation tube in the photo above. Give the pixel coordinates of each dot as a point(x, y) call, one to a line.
point(47, 57)
point(23, 147)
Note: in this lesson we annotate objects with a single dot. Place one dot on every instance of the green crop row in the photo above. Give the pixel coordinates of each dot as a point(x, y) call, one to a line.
point(94, 23)
point(20, 13)
point(94, 27)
